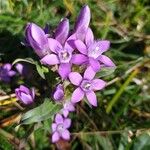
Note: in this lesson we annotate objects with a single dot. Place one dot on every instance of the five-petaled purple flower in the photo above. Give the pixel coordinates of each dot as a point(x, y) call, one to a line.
point(25, 95)
point(58, 93)
point(6, 73)
point(60, 128)
point(86, 86)
point(37, 39)
point(67, 107)
point(91, 51)
point(62, 49)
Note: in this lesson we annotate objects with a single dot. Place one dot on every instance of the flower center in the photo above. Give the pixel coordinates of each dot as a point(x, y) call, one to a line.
point(60, 128)
point(64, 56)
point(86, 85)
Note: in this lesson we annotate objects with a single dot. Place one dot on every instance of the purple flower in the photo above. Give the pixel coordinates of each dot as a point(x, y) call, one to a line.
point(62, 49)
point(60, 128)
point(6, 73)
point(25, 95)
point(86, 85)
point(93, 50)
point(68, 107)
point(59, 93)
point(82, 22)
point(37, 39)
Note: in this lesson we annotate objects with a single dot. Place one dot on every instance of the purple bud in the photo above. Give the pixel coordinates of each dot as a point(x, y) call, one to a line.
point(25, 95)
point(37, 39)
point(62, 31)
point(82, 22)
point(59, 93)
point(6, 73)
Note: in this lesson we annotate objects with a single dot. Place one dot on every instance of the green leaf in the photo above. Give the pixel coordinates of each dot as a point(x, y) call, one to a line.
point(43, 112)
point(142, 142)
point(29, 60)
point(105, 71)
point(41, 70)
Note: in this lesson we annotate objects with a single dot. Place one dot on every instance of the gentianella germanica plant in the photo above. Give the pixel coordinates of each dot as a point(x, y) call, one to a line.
point(65, 51)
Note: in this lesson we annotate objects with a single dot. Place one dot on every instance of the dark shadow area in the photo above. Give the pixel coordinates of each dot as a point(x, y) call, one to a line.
point(11, 47)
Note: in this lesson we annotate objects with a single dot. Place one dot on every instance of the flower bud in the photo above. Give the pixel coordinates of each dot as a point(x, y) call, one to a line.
point(25, 95)
point(59, 93)
point(62, 31)
point(82, 22)
point(37, 39)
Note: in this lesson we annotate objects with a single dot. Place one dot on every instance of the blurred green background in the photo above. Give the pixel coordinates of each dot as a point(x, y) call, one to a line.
point(122, 119)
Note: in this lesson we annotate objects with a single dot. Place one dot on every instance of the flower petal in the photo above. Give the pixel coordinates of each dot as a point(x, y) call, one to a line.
point(103, 45)
point(50, 59)
point(54, 127)
point(7, 66)
point(82, 22)
point(24, 89)
point(59, 118)
point(54, 45)
point(11, 73)
point(64, 70)
point(62, 31)
point(65, 112)
point(69, 45)
point(38, 34)
point(77, 95)
point(75, 78)
point(98, 84)
point(66, 135)
point(78, 59)
point(106, 61)
point(94, 64)
point(89, 73)
point(55, 137)
point(69, 106)
point(81, 46)
point(26, 99)
point(92, 98)
point(67, 123)
point(89, 38)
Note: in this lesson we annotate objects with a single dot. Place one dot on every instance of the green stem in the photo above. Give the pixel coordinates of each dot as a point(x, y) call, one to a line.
point(118, 94)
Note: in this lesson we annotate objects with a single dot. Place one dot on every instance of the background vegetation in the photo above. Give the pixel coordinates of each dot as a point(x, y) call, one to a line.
point(122, 119)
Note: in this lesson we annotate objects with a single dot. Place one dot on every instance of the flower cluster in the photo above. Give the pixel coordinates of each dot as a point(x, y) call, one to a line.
point(68, 50)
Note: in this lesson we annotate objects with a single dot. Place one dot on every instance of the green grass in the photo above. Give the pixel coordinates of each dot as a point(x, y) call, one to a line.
point(122, 119)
